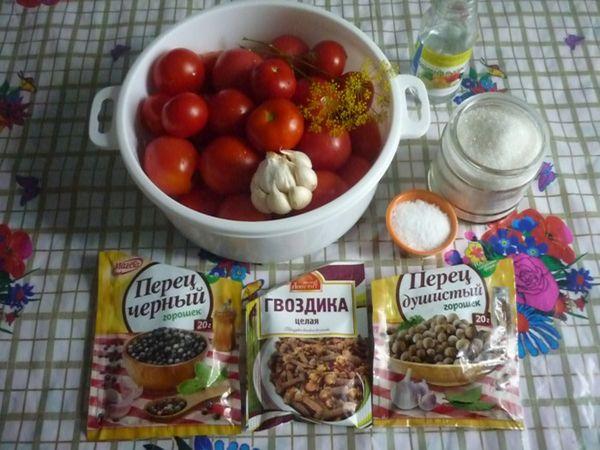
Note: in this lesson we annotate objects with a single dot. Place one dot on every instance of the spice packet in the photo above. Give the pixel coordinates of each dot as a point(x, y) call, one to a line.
point(165, 352)
point(308, 351)
point(445, 348)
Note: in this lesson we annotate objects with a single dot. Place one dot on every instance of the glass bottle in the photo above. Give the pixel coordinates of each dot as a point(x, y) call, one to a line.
point(444, 46)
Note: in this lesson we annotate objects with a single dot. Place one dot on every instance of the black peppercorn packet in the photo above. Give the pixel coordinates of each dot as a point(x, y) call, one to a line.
point(165, 351)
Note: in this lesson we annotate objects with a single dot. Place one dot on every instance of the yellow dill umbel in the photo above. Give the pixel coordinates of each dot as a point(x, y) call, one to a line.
point(342, 106)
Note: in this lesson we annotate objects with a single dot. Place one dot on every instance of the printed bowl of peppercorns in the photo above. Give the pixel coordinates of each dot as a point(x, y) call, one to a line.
point(446, 350)
point(162, 358)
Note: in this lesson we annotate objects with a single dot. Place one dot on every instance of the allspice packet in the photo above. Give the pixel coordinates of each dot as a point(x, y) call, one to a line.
point(165, 351)
point(445, 350)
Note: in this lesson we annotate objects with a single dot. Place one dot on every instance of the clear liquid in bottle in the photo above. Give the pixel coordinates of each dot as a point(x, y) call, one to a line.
point(444, 46)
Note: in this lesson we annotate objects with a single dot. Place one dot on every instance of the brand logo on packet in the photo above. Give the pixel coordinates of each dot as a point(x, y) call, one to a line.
point(127, 265)
point(307, 282)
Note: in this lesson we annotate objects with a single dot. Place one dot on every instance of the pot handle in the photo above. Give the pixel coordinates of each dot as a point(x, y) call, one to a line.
point(106, 140)
point(413, 128)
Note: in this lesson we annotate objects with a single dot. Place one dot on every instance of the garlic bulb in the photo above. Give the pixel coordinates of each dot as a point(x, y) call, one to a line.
point(283, 182)
point(409, 394)
point(403, 395)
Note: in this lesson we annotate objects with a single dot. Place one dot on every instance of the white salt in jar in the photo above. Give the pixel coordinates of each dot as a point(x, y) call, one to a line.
point(491, 150)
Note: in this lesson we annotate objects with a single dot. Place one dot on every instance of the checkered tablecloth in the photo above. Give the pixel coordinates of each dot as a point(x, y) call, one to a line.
point(88, 203)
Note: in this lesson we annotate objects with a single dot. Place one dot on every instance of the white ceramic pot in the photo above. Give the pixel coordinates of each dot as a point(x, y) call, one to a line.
point(224, 27)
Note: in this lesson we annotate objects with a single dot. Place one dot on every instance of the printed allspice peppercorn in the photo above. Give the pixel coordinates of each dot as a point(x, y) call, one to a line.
point(441, 340)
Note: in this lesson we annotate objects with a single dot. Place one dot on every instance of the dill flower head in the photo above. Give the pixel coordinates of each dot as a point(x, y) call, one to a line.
point(349, 101)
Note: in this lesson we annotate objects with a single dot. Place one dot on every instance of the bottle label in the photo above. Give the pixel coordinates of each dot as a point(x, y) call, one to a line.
point(441, 73)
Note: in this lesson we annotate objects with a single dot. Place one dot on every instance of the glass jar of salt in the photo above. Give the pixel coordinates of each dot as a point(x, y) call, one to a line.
point(491, 150)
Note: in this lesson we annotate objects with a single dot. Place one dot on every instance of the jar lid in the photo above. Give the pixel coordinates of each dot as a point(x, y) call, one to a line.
point(499, 133)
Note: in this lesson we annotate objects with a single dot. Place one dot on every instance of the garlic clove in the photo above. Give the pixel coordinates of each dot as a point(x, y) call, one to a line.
point(283, 178)
point(129, 389)
point(258, 197)
point(306, 177)
point(272, 156)
point(262, 177)
point(298, 158)
point(119, 410)
point(112, 396)
point(278, 202)
point(299, 197)
point(428, 401)
point(420, 389)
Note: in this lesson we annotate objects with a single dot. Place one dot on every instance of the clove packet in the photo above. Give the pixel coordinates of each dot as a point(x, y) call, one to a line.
point(165, 351)
point(445, 348)
point(308, 351)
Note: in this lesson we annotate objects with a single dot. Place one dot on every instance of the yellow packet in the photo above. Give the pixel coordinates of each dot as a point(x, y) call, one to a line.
point(446, 348)
point(165, 352)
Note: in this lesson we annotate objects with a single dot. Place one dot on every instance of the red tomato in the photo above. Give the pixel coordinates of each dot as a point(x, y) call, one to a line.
point(170, 163)
point(275, 124)
point(316, 101)
point(290, 45)
point(184, 115)
point(329, 57)
point(229, 110)
point(151, 111)
point(354, 169)
point(227, 165)
point(240, 207)
point(366, 140)
point(209, 59)
point(233, 68)
point(273, 78)
point(302, 93)
point(201, 199)
point(177, 71)
point(326, 151)
point(364, 93)
point(329, 187)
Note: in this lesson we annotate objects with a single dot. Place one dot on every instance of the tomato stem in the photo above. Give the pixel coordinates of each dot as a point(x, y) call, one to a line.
point(291, 60)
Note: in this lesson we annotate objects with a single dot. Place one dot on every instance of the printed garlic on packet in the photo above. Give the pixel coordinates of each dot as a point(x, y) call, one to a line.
point(165, 353)
point(308, 352)
point(445, 348)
